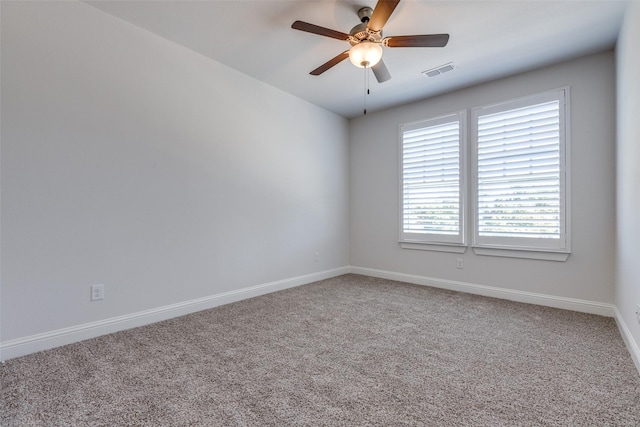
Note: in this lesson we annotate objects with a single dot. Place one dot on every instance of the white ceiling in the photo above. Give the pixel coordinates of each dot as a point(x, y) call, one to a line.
point(489, 39)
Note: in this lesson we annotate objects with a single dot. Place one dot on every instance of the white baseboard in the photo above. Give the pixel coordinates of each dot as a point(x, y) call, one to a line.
point(631, 344)
point(47, 340)
point(490, 291)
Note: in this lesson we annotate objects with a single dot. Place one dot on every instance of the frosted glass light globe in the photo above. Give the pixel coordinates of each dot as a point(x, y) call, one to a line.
point(365, 54)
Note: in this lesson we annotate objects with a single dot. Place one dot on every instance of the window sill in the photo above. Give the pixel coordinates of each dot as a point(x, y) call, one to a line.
point(522, 253)
point(436, 247)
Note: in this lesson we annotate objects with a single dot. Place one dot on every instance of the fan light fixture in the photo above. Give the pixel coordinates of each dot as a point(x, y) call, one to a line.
point(366, 42)
point(365, 54)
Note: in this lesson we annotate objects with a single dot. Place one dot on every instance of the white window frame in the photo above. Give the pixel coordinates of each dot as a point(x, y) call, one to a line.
point(535, 248)
point(434, 241)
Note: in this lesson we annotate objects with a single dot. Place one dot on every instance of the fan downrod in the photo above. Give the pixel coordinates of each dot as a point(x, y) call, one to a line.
point(365, 14)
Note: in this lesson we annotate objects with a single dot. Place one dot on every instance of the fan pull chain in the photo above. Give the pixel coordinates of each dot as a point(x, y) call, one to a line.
point(366, 88)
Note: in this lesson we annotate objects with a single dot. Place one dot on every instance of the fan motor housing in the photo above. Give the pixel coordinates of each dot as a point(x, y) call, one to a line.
point(360, 32)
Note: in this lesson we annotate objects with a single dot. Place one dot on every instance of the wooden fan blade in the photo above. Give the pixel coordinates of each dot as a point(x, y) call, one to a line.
point(427, 40)
point(322, 31)
point(330, 63)
point(381, 14)
point(381, 72)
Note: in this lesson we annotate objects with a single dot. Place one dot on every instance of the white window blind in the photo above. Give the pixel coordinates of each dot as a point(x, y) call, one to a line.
point(432, 176)
point(520, 195)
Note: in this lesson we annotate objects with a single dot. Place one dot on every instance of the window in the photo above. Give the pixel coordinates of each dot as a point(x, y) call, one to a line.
point(432, 181)
point(519, 193)
point(520, 169)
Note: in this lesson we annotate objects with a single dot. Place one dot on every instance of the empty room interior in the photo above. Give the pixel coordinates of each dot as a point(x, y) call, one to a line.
point(209, 218)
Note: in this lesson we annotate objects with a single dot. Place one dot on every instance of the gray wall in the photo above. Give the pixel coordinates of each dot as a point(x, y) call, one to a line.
point(130, 161)
point(588, 274)
point(628, 174)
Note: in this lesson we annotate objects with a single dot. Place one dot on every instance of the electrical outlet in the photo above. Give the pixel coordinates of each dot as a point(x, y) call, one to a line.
point(459, 263)
point(316, 256)
point(638, 313)
point(97, 292)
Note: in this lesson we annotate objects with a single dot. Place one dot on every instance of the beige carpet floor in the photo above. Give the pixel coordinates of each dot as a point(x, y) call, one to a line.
point(348, 351)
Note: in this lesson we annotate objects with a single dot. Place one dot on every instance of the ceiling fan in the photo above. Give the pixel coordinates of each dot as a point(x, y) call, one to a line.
point(366, 40)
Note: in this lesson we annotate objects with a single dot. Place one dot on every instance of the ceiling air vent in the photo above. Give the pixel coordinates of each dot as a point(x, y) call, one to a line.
point(439, 70)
